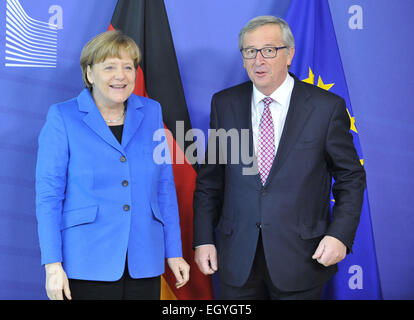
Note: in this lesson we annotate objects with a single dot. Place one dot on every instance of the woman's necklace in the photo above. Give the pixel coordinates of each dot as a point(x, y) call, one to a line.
point(116, 120)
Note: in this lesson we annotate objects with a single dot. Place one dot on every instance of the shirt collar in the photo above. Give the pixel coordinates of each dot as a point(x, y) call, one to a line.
point(281, 95)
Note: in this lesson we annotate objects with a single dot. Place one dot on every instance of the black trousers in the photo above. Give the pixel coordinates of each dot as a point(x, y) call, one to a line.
point(259, 285)
point(125, 288)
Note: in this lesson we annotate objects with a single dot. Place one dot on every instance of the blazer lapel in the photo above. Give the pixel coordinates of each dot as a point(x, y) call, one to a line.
point(299, 111)
point(133, 119)
point(94, 120)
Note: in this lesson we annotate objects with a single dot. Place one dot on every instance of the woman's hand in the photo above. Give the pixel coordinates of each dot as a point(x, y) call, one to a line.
point(57, 282)
point(181, 270)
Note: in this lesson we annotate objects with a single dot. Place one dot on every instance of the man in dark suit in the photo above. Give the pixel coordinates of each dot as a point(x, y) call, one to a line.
point(276, 236)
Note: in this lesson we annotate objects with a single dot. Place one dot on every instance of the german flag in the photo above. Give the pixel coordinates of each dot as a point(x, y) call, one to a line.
point(158, 77)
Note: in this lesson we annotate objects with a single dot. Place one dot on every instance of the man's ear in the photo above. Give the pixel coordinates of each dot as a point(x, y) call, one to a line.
point(290, 55)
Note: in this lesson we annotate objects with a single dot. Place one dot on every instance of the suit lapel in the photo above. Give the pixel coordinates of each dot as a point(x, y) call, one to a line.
point(299, 111)
point(242, 110)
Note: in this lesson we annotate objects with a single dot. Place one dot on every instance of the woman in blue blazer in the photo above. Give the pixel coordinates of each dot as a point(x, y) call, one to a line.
point(107, 212)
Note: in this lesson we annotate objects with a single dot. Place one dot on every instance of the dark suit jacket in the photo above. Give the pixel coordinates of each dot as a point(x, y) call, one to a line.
point(293, 208)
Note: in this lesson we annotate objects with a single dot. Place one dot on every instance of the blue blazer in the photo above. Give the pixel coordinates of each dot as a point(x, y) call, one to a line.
point(97, 200)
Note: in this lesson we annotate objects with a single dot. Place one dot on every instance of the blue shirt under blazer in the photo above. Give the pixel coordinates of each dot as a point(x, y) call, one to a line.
point(98, 200)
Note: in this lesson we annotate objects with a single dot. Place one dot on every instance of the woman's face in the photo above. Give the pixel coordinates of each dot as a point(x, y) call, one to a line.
point(113, 80)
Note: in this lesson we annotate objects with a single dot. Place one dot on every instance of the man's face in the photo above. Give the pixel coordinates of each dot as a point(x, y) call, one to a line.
point(267, 74)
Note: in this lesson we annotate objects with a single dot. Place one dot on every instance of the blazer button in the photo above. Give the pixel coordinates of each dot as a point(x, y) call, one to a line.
point(125, 183)
point(258, 225)
point(122, 159)
point(126, 207)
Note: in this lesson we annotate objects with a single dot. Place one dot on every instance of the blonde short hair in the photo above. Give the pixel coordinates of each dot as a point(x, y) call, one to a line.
point(107, 45)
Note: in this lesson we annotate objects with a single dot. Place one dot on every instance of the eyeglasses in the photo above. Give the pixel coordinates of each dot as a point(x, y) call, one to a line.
point(266, 52)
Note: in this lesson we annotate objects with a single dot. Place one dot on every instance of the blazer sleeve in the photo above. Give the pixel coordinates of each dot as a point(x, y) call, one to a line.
point(349, 177)
point(51, 173)
point(208, 195)
point(167, 202)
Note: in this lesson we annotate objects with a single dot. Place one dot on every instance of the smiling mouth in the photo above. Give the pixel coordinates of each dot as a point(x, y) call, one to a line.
point(118, 86)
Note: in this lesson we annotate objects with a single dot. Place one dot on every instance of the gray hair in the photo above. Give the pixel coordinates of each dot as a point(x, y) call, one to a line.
point(287, 36)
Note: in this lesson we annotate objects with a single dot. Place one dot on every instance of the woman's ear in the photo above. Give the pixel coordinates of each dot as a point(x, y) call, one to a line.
point(89, 74)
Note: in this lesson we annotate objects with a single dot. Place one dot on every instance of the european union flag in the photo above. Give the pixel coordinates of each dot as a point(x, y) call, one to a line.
point(317, 61)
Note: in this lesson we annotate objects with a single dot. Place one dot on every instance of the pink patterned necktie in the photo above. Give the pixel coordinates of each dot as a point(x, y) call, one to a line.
point(266, 151)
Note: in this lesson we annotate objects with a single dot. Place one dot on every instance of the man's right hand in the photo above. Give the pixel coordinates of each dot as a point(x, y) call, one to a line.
point(206, 258)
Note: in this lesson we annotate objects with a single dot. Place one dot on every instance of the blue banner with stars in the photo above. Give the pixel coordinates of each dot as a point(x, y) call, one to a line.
point(317, 61)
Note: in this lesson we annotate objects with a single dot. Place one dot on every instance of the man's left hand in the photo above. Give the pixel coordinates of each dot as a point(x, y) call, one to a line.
point(330, 251)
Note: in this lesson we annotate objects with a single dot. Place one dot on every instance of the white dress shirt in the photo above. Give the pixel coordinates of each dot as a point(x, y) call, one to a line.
point(278, 108)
